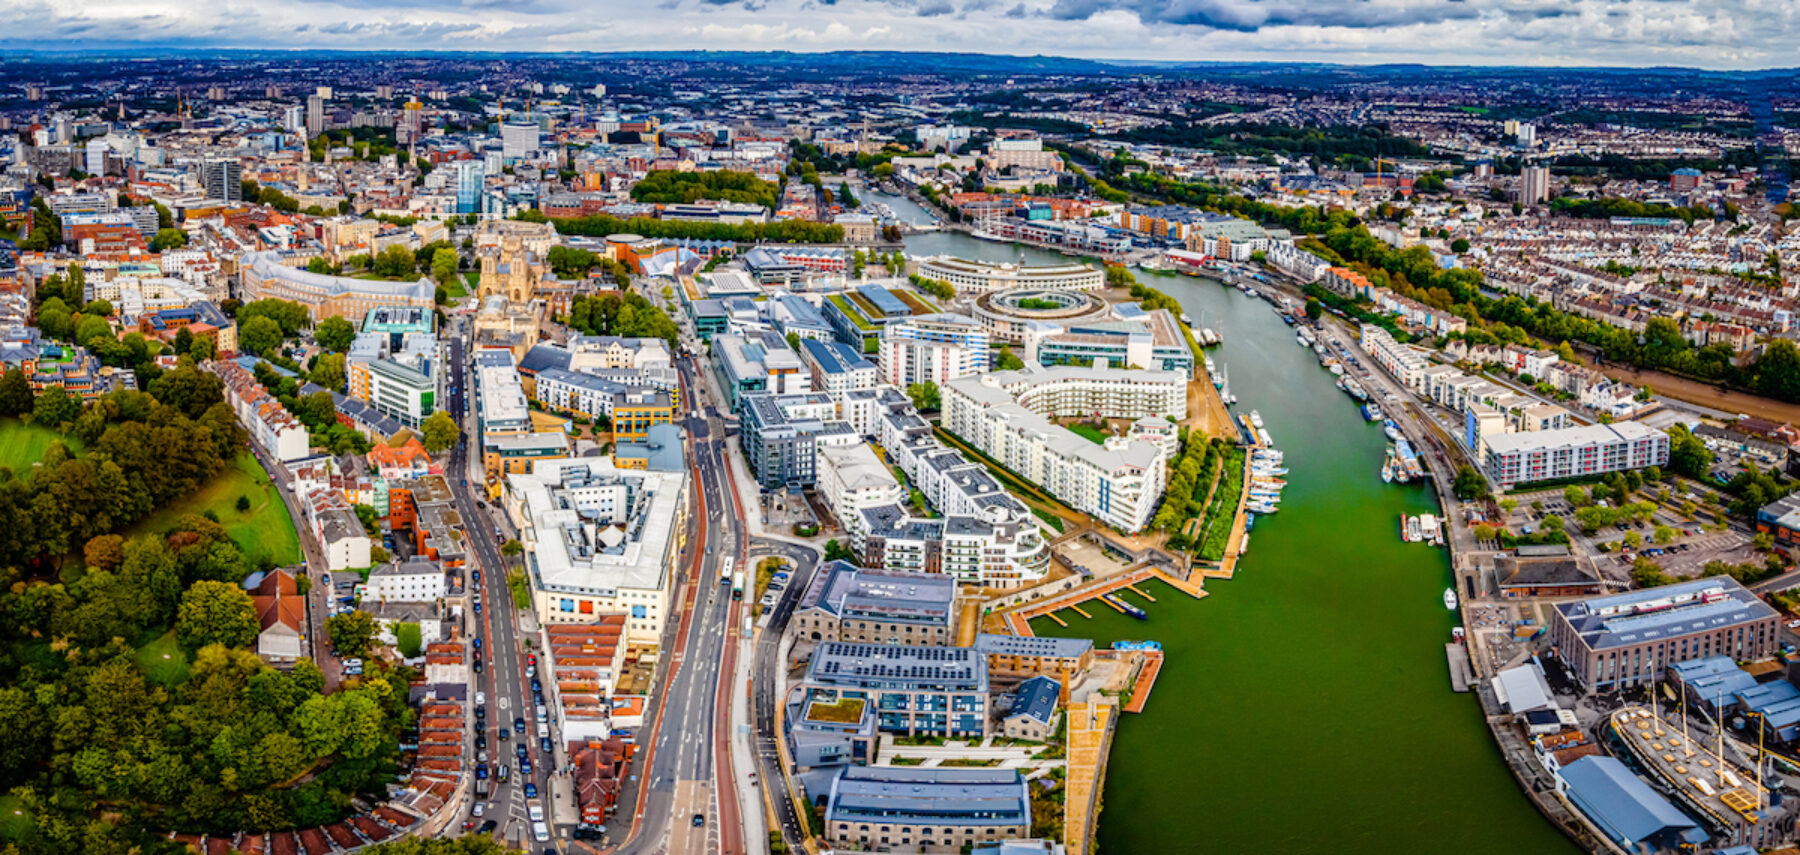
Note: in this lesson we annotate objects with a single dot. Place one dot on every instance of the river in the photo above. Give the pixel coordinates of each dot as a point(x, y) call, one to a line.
point(1305, 705)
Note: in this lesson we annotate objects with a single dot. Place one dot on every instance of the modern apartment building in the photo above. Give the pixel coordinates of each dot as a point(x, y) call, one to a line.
point(781, 434)
point(932, 349)
point(915, 690)
point(1577, 452)
point(600, 540)
point(836, 368)
point(1007, 416)
point(758, 362)
point(979, 277)
point(1629, 639)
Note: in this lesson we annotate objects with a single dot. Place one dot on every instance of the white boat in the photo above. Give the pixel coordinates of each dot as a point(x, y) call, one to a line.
point(1256, 420)
point(1450, 599)
point(1412, 530)
point(1185, 320)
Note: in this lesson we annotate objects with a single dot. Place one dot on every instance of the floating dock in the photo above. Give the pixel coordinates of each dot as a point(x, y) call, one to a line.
point(1460, 671)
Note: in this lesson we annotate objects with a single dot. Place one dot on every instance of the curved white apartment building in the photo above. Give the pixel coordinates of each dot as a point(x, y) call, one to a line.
point(1007, 415)
point(980, 277)
point(266, 275)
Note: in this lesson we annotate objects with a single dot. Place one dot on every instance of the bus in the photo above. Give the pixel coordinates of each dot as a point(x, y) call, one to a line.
point(725, 571)
point(737, 585)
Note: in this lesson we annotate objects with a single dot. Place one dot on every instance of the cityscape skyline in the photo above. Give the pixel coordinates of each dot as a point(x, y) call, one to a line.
point(1734, 35)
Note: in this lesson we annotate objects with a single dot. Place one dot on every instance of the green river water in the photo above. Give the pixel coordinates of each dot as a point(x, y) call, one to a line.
point(1304, 706)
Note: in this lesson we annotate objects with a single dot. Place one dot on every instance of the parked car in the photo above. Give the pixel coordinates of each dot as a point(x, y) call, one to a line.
point(530, 790)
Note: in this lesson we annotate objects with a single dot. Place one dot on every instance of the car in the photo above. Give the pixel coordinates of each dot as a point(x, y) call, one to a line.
point(488, 826)
point(505, 772)
point(1794, 624)
point(531, 670)
point(480, 741)
point(699, 820)
point(505, 733)
point(530, 790)
point(536, 687)
point(478, 607)
point(519, 724)
point(481, 712)
point(481, 757)
point(478, 666)
point(545, 746)
point(531, 658)
point(537, 698)
point(481, 772)
point(481, 699)
point(479, 810)
point(524, 765)
point(583, 832)
point(477, 642)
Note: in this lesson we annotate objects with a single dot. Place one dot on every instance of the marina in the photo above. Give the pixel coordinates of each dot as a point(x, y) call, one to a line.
point(1330, 593)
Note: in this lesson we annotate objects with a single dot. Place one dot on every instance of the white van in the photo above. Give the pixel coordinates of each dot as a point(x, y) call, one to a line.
point(543, 713)
point(540, 832)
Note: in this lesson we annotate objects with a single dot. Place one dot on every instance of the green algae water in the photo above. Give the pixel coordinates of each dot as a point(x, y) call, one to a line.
point(1305, 705)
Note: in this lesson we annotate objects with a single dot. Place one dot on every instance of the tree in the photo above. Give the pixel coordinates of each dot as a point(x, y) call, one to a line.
point(91, 327)
point(793, 341)
point(1687, 454)
point(329, 371)
point(1663, 535)
point(835, 551)
point(214, 612)
point(1314, 309)
point(260, 336)
point(203, 347)
point(1470, 484)
point(511, 548)
point(15, 393)
point(104, 552)
point(351, 633)
point(1459, 246)
point(54, 407)
point(1008, 361)
point(1574, 496)
point(443, 265)
point(168, 239)
point(1762, 542)
point(439, 431)
point(925, 396)
point(335, 333)
point(394, 262)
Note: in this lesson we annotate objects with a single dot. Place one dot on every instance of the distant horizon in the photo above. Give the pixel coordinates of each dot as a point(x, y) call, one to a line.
point(1718, 35)
point(189, 51)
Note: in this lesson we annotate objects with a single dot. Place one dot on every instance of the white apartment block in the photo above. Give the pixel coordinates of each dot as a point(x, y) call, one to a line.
point(979, 277)
point(1528, 456)
point(600, 540)
point(851, 478)
point(415, 581)
point(1007, 415)
point(932, 348)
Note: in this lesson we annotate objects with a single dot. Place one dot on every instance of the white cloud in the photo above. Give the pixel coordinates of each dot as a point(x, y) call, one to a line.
point(1705, 33)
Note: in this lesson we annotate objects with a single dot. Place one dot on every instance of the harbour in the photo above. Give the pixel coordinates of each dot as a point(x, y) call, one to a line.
point(1331, 606)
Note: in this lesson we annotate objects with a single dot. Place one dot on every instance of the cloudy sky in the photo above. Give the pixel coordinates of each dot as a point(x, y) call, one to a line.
point(1701, 33)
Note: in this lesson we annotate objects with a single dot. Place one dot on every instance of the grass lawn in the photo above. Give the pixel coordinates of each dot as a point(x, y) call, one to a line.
point(1091, 433)
point(163, 661)
point(14, 825)
point(265, 532)
point(22, 444)
point(456, 289)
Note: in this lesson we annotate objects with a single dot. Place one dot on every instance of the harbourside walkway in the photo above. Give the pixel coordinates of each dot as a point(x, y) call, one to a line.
point(1018, 619)
point(1091, 725)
